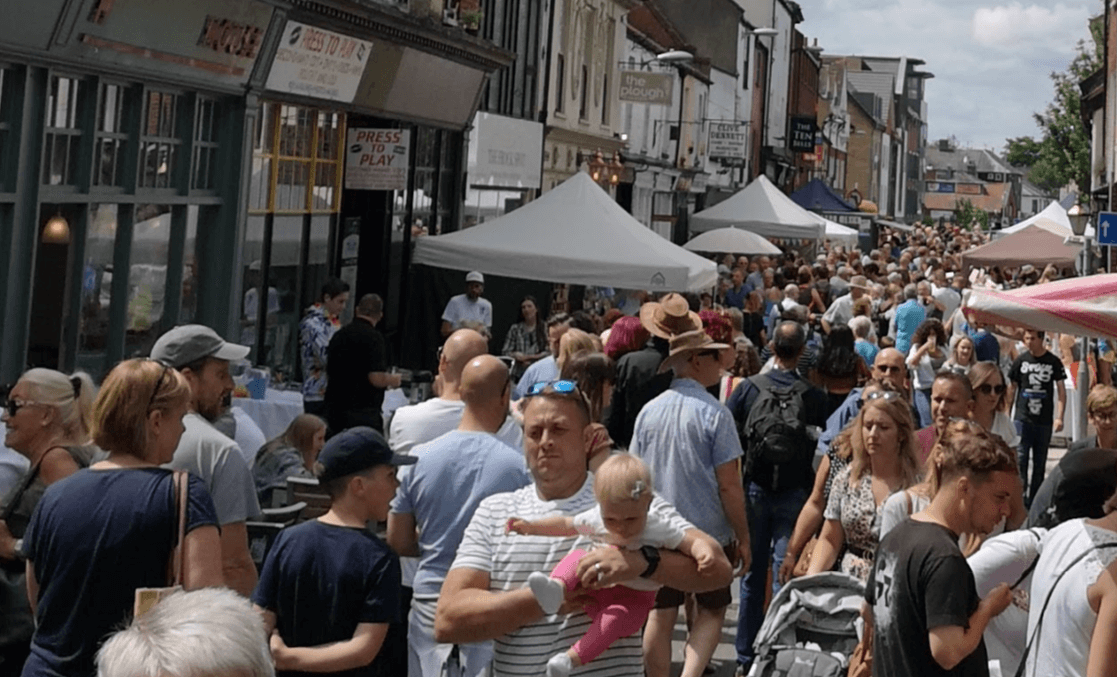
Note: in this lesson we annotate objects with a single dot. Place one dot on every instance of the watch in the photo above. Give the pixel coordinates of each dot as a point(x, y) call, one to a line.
point(651, 554)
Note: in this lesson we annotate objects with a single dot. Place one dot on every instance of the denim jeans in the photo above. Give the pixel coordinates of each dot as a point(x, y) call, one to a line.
point(1034, 441)
point(923, 406)
point(772, 516)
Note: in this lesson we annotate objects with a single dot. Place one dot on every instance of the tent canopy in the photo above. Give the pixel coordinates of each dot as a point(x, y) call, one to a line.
point(1081, 306)
point(839, 234)
point(1053, 218)
point(731, 241)
point(763, 209)
point(574, 234)
point(818, 197)
point(1035, 245)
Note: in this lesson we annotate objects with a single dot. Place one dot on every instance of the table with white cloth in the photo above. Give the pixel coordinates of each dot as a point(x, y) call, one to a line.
point(273, 413)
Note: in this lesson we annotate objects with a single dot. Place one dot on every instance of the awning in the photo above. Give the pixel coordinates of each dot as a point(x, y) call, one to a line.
point(896, 226)
point(1080, 306)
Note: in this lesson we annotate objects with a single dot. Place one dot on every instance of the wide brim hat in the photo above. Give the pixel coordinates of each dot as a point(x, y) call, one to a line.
point(686, 344)
point(859, 282)
point(669, 317)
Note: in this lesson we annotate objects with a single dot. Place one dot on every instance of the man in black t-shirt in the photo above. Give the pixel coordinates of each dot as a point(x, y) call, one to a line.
point(921, 596)
point(1035, 377)
point(357, 370)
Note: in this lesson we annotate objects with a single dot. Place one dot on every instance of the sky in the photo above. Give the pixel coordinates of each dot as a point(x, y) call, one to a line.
point(991, 59)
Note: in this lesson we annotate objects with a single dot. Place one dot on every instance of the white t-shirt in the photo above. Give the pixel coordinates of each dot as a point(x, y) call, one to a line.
point(461, 308)
point(249, 437)
point(840, 311)
point(1004, 559)
point(1005, 429)
point(509, 559)
point(217, 460)
point(658, 532)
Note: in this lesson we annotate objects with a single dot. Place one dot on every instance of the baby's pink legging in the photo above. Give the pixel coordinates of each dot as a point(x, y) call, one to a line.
point(616, 612)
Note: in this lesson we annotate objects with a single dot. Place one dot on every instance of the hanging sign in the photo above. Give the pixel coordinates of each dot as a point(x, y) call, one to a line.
point(727, 140)
point(376, 159)
point(319, 63)
point(644, 87)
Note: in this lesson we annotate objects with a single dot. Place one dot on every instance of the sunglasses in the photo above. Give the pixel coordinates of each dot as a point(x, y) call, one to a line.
point(560, 387)
point(886, 395)
point(988, 388)
point(158, 384)
point(12, 406)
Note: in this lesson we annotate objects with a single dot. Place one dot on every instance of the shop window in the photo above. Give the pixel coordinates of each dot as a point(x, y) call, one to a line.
point(62, 141)
point(96, 288)
point(112, 138)
point(147, 279)
point(294, 195)
point(205, 145)
point(159, 143)
point(5, 117)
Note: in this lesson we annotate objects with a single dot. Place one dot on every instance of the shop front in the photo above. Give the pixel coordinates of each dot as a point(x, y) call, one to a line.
point(165, 162)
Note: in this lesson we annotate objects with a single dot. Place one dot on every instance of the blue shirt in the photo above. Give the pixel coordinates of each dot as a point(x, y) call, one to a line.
point(736, 298)
point(838, 420)
point(683, 435)
point(322, 580)
point(867, 351)
point(96, 536)
point(986, 348)
point(454, 474)
point(542, 370)
point(909, 315)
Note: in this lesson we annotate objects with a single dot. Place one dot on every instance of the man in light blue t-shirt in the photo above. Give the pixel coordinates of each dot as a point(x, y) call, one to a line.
point(437, 499)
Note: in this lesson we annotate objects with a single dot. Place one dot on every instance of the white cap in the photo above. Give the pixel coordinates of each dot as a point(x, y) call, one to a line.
point(474, 276)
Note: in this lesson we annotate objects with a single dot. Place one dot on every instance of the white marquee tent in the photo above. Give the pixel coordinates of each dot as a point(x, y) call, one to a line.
point(839, 234)
point(763, 209)
point(1054, 218)
point(574, 234)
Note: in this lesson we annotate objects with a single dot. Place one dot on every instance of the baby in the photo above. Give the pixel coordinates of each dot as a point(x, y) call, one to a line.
point(623, 486)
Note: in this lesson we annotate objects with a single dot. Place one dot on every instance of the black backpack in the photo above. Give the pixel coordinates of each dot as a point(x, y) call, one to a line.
point(774, 432)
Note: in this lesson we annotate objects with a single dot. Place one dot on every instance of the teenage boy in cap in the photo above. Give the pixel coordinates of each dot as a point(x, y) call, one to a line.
point(690, 442)
point(203, 359)
point(330, 587)
point(468, 307)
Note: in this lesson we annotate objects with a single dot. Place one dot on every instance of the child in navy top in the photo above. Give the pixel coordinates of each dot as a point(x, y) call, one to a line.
point(329, 587)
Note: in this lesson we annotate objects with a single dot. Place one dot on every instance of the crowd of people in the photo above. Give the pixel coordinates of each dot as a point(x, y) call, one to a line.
point(578, 482)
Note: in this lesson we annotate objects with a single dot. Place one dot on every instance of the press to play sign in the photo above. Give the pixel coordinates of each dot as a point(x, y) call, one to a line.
point(376, 159)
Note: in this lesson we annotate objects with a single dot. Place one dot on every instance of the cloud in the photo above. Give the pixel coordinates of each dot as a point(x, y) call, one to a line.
point(991, 59)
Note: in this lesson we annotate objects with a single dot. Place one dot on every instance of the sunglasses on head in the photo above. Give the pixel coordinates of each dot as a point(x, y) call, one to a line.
point(159, 383)
point(560, 387)
point(886, 395)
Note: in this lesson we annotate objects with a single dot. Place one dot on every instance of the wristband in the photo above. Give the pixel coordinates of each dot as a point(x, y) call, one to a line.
point(651, 554)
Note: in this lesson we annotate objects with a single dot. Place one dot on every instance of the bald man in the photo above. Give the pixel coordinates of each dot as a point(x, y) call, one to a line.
point(418, 424)
point(890, 366)
point(437, 498)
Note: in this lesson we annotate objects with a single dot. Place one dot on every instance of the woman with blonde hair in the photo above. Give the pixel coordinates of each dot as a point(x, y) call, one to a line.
point(990, 402)
point(292, 454)
point(883, 462)
point(102, 533)
point(47, 416)
point(962, 356)
point(573, 342)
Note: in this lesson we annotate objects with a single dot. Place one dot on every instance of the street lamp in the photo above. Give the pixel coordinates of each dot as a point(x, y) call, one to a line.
point(1079, 216)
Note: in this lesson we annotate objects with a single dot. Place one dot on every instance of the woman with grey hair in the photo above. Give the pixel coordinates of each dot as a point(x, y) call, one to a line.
point(213, 632)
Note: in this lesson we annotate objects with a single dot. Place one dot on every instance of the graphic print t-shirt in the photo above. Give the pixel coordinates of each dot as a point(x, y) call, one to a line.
point(920, 581)
point(1035, 379)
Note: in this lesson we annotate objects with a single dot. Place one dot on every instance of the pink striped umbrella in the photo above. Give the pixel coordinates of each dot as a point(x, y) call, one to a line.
point(1080, 306)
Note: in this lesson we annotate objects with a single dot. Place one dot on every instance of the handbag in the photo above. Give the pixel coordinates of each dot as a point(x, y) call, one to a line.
point(146, 598)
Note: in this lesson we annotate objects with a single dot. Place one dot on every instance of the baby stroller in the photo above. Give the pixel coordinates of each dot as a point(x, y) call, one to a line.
point(810, 629)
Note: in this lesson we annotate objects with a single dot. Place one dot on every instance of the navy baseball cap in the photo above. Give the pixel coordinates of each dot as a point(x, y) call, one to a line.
point(356, 450)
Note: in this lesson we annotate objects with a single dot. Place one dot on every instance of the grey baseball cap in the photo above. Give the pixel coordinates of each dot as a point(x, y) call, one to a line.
point(191, 342)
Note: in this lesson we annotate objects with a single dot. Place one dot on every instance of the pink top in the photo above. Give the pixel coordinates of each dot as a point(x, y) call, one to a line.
point(925, 441)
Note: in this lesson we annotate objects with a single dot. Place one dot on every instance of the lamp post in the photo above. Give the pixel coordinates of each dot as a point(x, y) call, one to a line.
point(1079, 216)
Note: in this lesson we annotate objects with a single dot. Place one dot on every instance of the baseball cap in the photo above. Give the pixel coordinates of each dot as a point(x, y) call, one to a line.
point(357, 449)
point(191, 342)
point(474, 276)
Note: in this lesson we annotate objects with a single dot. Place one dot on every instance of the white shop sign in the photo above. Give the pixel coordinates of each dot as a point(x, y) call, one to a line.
point(319, 63)
point(376, 159)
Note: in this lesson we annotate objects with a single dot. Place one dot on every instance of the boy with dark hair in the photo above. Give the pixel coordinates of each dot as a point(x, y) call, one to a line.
point(329, 587)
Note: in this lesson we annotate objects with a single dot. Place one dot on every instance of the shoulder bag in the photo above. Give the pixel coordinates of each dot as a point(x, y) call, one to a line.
point(146, 598)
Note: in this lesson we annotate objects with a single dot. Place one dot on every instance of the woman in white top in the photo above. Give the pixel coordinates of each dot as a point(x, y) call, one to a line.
point(1077, 631)
point(926, 357)
point(990, 402)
